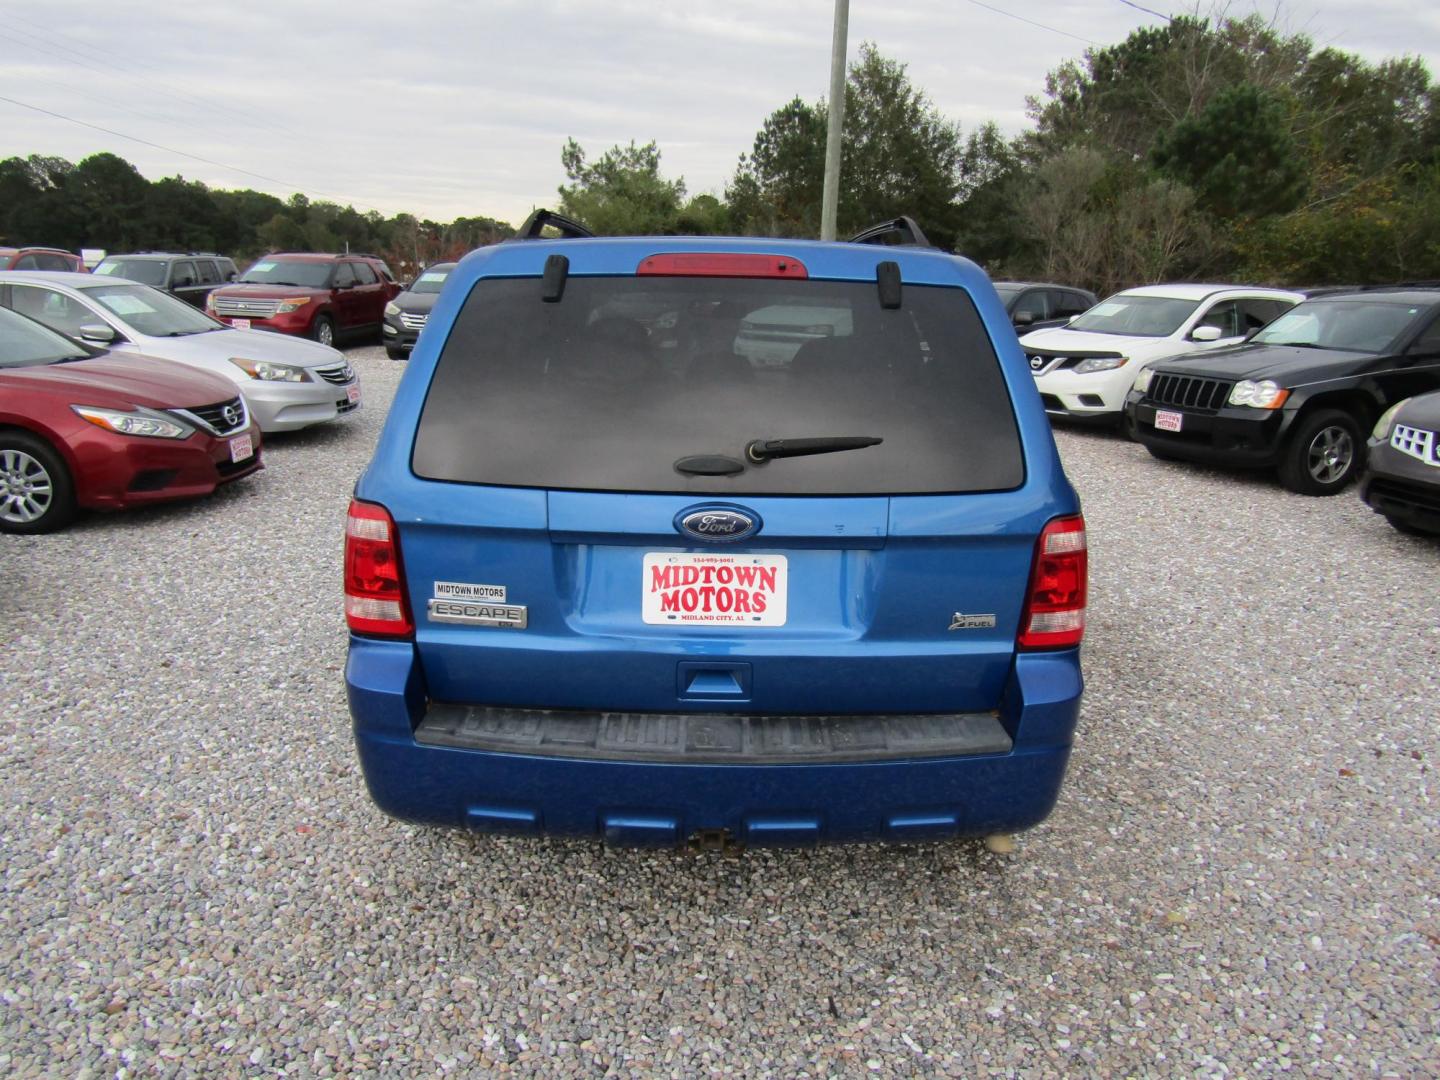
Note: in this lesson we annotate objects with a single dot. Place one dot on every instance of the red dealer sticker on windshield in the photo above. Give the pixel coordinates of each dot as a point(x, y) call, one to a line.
point(711, 590)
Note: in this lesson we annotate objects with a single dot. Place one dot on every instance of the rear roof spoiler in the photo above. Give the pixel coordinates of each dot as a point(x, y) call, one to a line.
point(536, 222)
point(904, 227)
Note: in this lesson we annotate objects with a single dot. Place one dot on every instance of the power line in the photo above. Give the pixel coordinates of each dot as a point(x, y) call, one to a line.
point(182, 153)
point(1149, 11)
point(1032, 22)
point(52, 40)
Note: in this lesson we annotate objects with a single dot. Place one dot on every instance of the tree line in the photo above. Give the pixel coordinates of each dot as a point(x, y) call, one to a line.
point(1207, 148)
point(104, 202)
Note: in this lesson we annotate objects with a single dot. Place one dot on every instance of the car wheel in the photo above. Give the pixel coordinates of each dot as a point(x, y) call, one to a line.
point(1323, 455)
point(323, 330)
point(36, 493)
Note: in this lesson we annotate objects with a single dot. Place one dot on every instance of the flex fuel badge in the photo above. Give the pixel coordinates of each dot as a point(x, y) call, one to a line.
point(471, 604)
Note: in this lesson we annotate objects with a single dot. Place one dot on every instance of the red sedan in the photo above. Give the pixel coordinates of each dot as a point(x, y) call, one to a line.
point(82, 428)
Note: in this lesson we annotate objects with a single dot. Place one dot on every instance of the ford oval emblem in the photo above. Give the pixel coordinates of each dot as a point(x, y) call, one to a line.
point(717, 524)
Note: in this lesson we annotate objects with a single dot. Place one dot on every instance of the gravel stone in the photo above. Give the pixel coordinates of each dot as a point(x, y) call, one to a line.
point(1240, 878)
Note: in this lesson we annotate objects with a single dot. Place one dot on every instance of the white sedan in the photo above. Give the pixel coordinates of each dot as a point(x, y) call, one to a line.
point(1084, 369)
point(287, 382)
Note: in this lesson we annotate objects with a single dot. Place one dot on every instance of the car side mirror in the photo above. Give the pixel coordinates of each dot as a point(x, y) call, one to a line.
point(98, 333)
point(1023, 318)
point(1206, 333)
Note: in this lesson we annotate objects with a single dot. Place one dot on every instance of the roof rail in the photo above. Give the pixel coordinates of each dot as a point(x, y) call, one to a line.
point(536, 222)
point(903, 227)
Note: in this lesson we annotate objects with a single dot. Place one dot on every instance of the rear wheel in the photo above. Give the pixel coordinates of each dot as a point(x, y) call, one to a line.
point(323, 330)
point(36, 493)
point(1323, 453)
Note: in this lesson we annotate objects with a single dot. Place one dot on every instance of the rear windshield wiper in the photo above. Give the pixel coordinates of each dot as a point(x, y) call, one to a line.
point(761, 450)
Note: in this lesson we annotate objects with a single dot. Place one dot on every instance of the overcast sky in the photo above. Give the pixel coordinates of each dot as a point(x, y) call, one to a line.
point(447, 108)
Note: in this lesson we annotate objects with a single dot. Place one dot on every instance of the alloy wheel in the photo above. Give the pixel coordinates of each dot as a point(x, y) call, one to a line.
point(1330, 454)
point(26, 489)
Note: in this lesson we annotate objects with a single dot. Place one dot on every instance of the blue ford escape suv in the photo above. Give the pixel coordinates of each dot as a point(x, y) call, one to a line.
point(618, 570)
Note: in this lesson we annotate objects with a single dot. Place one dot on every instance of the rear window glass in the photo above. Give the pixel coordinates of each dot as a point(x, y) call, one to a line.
point(607, 389)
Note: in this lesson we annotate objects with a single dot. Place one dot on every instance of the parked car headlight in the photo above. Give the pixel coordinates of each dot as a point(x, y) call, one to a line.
point(1142, 381)
point(392, 308)
point(1100, 363)
point(210, 301)
point(294, 303)
point(1386, 422)
point(146, 422)
point(1265, 394)
point(267, 371)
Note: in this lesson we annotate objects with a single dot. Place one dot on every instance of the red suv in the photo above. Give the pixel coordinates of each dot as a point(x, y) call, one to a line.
point(40, 258)
point(326, 297)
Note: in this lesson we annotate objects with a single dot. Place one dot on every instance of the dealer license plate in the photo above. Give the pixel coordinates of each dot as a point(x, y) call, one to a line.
point(722, 589)
point(353, 393)
point(241, 448)
point(1168, 421)
point(240, 324)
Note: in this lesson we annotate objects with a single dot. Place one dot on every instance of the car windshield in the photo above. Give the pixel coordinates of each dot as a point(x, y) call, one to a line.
point(25, 343)
point(661, 384)
point(145, 271)
point(149, 312)
point(1361, 326)
point(314, 275)
point(1136, 316)
point(432, 280)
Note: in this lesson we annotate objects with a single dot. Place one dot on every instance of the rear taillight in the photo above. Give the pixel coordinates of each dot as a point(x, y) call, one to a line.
point(1054, 615)
point(374, 579)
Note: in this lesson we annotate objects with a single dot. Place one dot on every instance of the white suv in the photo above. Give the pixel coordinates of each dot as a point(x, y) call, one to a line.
point(1085, 368)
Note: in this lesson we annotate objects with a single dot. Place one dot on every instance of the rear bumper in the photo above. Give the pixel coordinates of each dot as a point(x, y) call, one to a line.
point(660, 803)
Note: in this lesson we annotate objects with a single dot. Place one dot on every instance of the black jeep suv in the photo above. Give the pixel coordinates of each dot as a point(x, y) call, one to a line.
point(1301, 394)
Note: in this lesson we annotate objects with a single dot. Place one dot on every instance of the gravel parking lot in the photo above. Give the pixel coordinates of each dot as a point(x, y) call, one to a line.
point(1242, 877)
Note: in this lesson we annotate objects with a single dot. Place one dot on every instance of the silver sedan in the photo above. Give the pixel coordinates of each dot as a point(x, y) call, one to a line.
point(289, 383)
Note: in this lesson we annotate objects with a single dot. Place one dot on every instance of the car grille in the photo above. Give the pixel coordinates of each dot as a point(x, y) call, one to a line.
point(1189, 391)
point(1417, 443)
point(221, 418)
point(413, 320)
point(340, 374)
point(244, 307)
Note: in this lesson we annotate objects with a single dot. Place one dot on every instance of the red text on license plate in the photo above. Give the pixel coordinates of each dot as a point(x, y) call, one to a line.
point(683, 589)
point(241, 448)
point(1168, 421)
